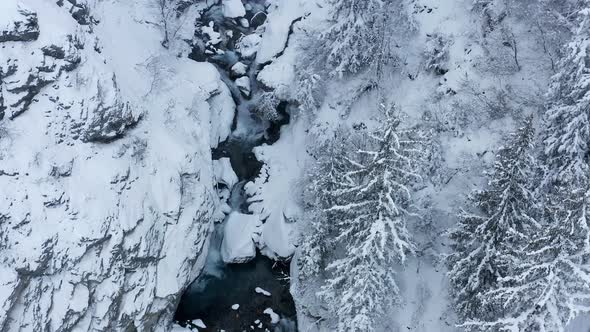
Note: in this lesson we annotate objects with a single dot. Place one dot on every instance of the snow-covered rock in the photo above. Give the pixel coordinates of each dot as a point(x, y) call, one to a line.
point(244, 22)
point(106, 173)
point(199, 323)
point(271, 195)
point(233, 8)
point(239, 69)
point(259, 290)
point(18, 23)
point(276, 32)
point(224, 173)
point(238, 238)
point(248, 45)
point(243, 83)
point(274, 317)
point(214, 36)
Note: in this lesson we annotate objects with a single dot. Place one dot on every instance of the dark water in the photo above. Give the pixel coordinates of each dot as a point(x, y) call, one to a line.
point(211, 298)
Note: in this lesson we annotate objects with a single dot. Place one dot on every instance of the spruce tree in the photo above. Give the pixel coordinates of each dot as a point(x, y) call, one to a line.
point(322, 185)
point(550, 281)
point(370, 215)
point(485, 241)
point(567, 122)
point(549, 284)
point(360, 35)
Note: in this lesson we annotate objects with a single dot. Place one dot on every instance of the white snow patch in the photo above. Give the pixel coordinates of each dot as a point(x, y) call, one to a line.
point(262, 291)
point(274, 318)
point(235, 306)
point(214, 36)
point(248, 45)
point(276, 29)
point(224, 173)
point(199, 323)
point(238, 233)
point(239, 69)
point(233, 8)
point(243, 83)
point(272, 194)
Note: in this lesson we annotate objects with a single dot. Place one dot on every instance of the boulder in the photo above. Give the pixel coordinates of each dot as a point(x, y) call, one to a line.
point(238, 238)
point(243, 83)
point(239, 69)
point(233, 8)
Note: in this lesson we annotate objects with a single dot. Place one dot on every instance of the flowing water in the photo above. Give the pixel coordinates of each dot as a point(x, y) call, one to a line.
point(224, 296)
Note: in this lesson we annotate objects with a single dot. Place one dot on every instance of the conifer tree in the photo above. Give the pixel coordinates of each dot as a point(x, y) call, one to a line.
point(370, 215)
point(484, 243)
point(567, 122)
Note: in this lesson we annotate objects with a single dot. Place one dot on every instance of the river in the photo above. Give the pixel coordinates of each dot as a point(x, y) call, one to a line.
point(225, 296)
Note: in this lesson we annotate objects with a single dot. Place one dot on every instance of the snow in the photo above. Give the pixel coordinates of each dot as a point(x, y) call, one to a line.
point(248, 45)
point(238, 244)
point(214, 36)
point(235, 306)
point(259, 290)
point(112, 211)
point(199, 323)
point(243, 83)
point(272, 196)
point(224, 172)
point(233, 8)
point(239, 69)
point(274, 318)
point(276, 31)
point(178, 328)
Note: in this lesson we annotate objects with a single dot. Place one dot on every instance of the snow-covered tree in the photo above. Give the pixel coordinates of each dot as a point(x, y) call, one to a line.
point(550, 281)
point(370, 213)
point(360, 36)
point(321, 193)
point(567, 122)
point(484, 243)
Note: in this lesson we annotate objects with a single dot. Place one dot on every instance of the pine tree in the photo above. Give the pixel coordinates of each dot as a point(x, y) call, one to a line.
point(567, 122)
point(484, 243)
point(370, 215)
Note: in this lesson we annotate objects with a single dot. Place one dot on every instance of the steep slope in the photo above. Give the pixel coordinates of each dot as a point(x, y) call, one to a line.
point(106, 180)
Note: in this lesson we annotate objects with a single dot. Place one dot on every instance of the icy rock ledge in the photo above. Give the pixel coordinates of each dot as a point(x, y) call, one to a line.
point(237, 246)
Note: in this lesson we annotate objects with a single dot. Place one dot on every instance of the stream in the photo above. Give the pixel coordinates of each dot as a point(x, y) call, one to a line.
point(237, 297)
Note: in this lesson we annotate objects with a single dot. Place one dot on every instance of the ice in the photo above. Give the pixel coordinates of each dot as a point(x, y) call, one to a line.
point(233, 8)
point(238, 244)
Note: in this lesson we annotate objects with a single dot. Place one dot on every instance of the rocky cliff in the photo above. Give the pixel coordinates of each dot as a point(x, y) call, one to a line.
point(106, 179)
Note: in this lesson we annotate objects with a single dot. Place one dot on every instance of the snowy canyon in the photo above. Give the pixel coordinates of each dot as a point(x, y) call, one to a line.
point(294, 165)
